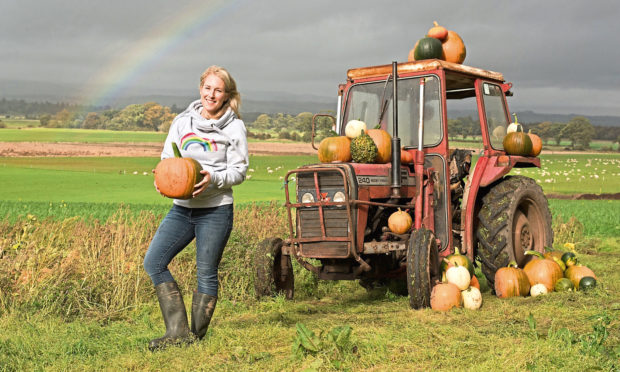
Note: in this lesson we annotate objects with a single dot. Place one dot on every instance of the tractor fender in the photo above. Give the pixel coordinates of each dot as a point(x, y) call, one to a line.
point(487, 170)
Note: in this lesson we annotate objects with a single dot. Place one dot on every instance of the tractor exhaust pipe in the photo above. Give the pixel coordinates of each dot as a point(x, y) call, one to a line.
point(396, 176)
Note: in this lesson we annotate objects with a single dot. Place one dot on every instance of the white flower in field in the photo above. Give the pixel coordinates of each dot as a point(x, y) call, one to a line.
point(568, 178)
point(596, 176)
point(145, 174)
point(248, 177)
point(269, 170)
point(251, 169)
point(281, 177)
point(135, 172)
point(278, 167)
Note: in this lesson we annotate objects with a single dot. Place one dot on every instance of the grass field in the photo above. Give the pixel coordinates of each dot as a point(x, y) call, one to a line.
point(74, 296)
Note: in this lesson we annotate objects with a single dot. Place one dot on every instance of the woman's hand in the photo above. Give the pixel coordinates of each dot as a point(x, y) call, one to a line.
point(202, 185)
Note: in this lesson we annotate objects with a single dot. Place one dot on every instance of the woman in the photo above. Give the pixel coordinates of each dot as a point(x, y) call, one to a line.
point(211, 132)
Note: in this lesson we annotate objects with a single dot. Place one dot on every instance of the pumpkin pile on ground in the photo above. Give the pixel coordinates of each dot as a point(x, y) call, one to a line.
point(459, 286)
point(439, 43)
point(554, 271)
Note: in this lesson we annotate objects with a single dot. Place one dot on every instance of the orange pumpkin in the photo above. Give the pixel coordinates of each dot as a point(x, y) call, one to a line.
point(536, 144)
point(474, 282)
point(445, 296)
point(543, 271)
point(399, 222)
point(576, 272)
point(511, 281)
point(176, 177)
point(406, 157)
point(437, 31)
point(453, 48)
point(335, 149)
point(383, 140)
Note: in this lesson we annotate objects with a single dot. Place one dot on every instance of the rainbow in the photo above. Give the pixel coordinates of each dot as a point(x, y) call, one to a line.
point(192, 138)
point(143, 55)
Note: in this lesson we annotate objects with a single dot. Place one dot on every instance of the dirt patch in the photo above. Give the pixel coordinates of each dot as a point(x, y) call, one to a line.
point(149, 149)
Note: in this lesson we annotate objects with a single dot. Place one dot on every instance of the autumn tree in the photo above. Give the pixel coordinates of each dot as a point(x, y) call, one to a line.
point(155, 115)
point(579, 131)
point(92, 121)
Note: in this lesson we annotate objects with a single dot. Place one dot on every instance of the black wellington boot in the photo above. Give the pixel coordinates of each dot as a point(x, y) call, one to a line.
point(175, 317)
point(203, 306)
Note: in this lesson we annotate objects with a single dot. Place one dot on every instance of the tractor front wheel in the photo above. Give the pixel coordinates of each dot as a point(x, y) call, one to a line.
point(273, 271)
point(422, 267)
point(514, 218)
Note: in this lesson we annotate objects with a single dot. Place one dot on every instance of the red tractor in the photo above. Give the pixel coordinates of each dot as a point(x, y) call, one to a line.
point(339, 211)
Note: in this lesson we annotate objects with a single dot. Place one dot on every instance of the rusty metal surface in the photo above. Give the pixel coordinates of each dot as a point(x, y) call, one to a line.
point(383, 247)
point(419, 66)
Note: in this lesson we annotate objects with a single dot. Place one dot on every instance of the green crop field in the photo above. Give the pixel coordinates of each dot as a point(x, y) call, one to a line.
point(74, 295)
point(124, 180)
point(576, 173)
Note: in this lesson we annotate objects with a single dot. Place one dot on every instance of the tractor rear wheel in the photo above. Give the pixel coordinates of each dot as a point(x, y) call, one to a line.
point(422, 267)
point(514, 217)
point(273, 271)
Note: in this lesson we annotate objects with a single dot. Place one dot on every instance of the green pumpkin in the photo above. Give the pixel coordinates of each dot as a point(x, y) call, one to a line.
point(586, 283)
point(569, 259)
point(428, 48)
point(564, 285)
point(517, 143)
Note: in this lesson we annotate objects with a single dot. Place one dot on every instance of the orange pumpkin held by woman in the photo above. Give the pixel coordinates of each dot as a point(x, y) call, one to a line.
point(176, 177)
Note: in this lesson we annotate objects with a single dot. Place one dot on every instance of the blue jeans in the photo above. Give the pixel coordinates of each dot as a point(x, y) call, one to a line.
point(210, 226)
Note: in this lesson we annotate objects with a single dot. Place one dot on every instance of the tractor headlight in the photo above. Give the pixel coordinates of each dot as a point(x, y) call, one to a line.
point(307, 198)
point(339, 197)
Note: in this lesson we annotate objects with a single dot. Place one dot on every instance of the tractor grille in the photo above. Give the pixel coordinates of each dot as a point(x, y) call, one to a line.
point(336, 222)
point(329, 235)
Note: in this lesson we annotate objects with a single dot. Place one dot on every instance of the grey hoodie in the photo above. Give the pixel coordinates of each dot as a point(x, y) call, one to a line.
point(219, 145)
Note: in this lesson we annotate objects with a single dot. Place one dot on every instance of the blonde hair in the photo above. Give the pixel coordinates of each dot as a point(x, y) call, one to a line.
point(234, 98)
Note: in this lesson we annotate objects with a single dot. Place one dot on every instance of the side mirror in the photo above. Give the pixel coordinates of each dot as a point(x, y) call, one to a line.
point(314, 120)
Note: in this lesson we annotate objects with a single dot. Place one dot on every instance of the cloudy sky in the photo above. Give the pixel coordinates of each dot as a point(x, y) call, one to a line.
point(562, 56)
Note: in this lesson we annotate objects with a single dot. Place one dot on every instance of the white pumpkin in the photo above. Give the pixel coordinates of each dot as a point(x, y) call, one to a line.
point(512, 127)
point(354, 128)
point(459, 276)
point(472, 298)
point(538, 289)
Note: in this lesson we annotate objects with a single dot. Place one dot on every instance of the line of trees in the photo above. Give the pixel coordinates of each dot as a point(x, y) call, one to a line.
point(152, 116)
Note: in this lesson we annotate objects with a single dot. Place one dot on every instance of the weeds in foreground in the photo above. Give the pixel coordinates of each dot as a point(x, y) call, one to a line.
point(74, 268)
